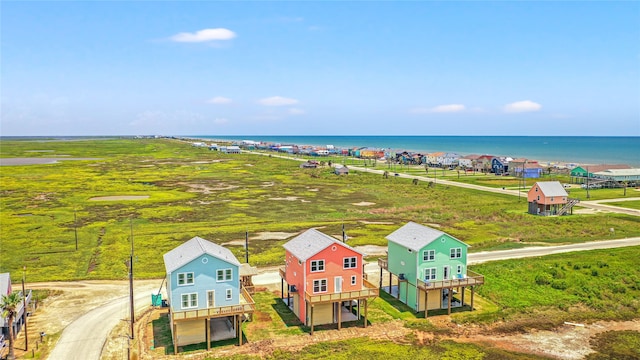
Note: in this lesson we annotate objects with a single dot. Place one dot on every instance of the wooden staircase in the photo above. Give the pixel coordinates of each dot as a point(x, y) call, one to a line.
point(567, 207)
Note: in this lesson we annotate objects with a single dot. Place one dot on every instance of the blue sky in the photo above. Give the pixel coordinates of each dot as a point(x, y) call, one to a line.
point(320, 68)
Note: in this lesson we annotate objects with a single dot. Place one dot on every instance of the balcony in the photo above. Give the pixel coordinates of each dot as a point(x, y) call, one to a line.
point(470, 279)
point(247, 305)
point(368, 291)
point(283, 273)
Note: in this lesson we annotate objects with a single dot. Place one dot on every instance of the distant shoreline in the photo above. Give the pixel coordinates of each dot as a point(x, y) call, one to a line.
point(548, 150)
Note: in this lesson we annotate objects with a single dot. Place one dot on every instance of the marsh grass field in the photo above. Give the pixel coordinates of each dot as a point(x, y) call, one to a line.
point(164, 192)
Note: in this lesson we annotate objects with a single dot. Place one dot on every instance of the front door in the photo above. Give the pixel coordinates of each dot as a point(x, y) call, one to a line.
point(337, 284)
point(446, 272)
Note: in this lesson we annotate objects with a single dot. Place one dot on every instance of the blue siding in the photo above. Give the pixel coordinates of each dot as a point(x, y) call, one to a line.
point(205, 279)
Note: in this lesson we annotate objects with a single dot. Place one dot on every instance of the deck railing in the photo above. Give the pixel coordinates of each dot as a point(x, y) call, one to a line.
point(247, 305)
point(368, 291)
point(470, 279)
point(283, 272)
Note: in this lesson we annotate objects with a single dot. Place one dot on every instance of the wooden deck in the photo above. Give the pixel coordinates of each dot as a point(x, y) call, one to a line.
point(470, 279)
point(247, 306)
point(368, 291)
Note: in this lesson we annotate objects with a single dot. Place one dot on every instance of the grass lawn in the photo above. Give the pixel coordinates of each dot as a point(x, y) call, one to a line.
point(196, 192)
point(631, 204)
point(544, 292)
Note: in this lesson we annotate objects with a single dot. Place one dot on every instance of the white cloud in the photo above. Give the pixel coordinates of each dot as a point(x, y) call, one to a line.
point(295, 111)
point(522, 106)
point(450, 108)
point(204, 35)
point(277, 101)
point(220, 121)
point(219, 100)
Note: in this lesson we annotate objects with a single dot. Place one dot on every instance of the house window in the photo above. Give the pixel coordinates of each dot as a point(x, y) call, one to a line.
point(353, 279)
point(456, 253)
point(317, 265)
point(185, 279)
point(538, 197)
point(350, 262)
point(552, 198)
point(429, 255)
point(211, 298)
point(459, 269)
point(319, 286)
point(429, 274)
point(224, 275)
point(190, 301)
point(229, 293)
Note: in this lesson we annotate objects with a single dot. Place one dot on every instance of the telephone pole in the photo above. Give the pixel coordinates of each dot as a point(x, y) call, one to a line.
point(131, 280)
point(24, 310)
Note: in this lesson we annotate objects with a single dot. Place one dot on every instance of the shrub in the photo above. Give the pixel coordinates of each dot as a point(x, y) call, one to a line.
point(559, 284)
point(543, 279)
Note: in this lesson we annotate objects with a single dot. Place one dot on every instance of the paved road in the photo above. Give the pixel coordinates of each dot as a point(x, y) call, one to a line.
point(84, 338)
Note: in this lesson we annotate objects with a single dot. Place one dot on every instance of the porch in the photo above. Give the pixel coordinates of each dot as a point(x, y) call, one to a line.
point(444, 289)
point(220, 323)
point(338, 306)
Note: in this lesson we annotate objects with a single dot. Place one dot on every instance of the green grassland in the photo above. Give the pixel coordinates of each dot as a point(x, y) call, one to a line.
point(632, 204)
point(197, 192)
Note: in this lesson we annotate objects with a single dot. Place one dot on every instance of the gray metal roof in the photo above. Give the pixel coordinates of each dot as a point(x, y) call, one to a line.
point(310, 243)
point(192, 249)
point(415, 236)
point(551, 188)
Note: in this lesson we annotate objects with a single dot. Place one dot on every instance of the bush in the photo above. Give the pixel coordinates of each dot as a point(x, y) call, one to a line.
point(543, 279)
point(559, 284)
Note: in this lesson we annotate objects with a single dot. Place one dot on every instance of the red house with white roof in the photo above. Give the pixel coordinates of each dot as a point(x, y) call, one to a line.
point(324, 280)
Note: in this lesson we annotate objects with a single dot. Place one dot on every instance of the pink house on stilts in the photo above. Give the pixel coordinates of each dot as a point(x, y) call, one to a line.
point(325, 280)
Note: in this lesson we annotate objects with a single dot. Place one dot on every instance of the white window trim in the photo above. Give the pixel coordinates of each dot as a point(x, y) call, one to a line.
point(317, 263)
point(459, 269)
point(229, 294)
point(430, 252)
point(354, 280)
point(455, 253)
point(355, 263)
point(224, 275)
point(193, 279)
point(188, 295)
point(433, 274)
point(213, 292)
point(326, 286)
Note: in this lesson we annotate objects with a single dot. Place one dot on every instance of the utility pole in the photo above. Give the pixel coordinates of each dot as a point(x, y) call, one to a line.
point(131, 279)
point(246, 246)
point(24, 310)
point(75, 227)
point(588, 197)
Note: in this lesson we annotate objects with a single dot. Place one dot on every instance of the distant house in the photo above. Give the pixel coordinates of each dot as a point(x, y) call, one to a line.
point(324, 277)
point(549, 198)
point(203, 283)
point(448, 159)
point(467, 161)
point(589, 170)
point(311, 164)
point(499, 165)
point(18, 320)
point(341, 170)
point(213, 147)
point(529, 170)
point(233, 149)
point(428, 264)
point(619, 175)
point(483, 163)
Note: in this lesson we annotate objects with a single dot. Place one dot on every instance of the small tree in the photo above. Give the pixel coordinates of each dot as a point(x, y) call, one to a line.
point(9, 304)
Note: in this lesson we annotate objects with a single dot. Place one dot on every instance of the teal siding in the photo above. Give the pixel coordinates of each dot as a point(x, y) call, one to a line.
point(412, 264)
point(205, 279)
point(442, 247)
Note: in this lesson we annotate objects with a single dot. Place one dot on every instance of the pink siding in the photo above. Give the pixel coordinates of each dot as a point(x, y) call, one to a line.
point(333, 257)
point(533, 195)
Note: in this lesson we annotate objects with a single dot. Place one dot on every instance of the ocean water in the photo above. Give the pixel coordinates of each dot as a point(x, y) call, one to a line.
point(551, 149)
